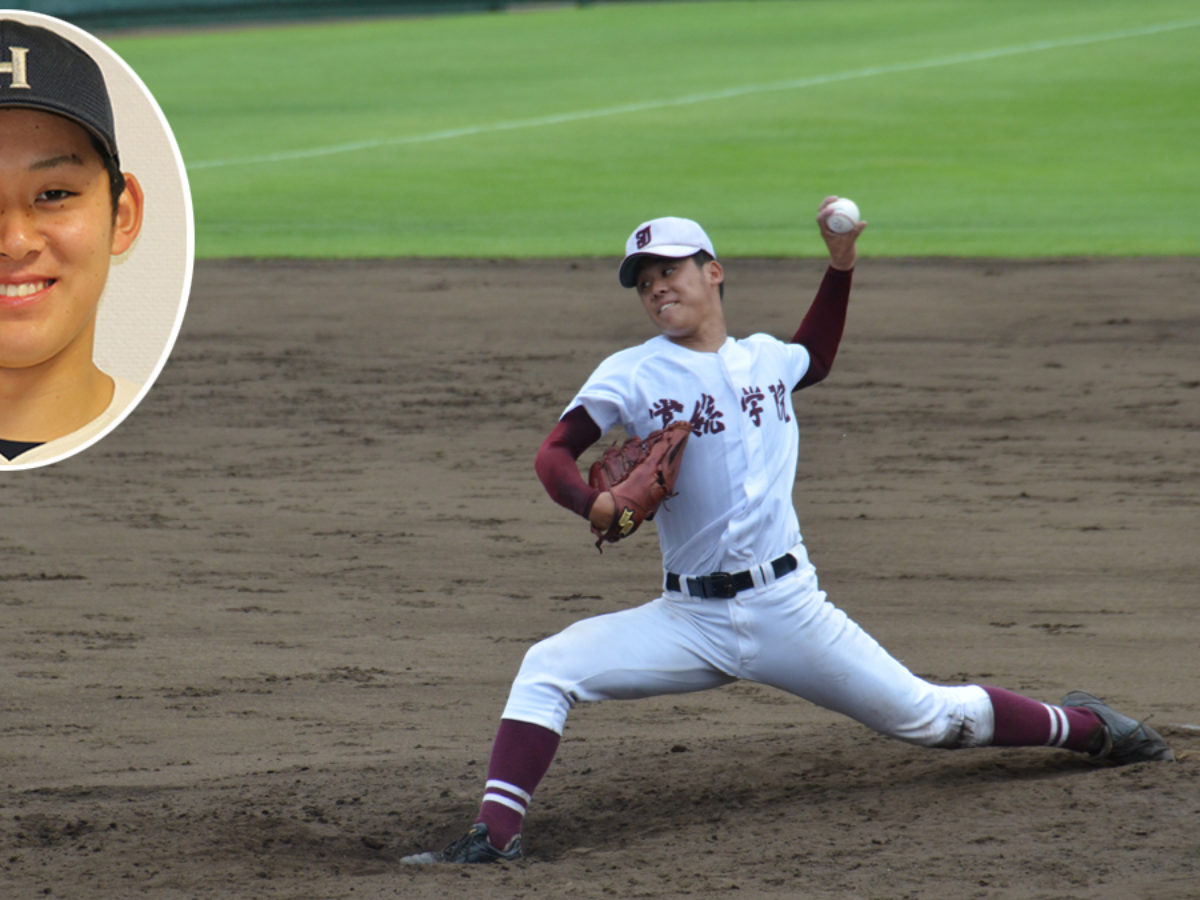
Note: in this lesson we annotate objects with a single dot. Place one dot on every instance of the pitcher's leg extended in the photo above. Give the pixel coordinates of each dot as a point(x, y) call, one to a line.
point(650, 650)
point(813, 649)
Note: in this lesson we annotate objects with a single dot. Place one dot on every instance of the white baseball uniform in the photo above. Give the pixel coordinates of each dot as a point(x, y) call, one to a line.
point(733, 514)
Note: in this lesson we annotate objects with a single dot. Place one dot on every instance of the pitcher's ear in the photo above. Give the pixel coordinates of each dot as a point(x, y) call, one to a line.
point(128, 221)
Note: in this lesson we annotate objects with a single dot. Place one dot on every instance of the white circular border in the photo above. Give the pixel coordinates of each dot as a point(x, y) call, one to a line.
point(135, 328)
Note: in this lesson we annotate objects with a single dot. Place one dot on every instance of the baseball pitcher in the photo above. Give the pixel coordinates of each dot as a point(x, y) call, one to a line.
point(739, 598)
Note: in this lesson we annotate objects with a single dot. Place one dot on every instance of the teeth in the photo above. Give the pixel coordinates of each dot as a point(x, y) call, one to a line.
point(22, 290)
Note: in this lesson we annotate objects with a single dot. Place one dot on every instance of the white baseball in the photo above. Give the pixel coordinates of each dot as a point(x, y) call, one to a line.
point(844, 216)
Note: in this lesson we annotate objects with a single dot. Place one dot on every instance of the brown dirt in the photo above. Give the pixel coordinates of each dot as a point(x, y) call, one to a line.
point(256, 642)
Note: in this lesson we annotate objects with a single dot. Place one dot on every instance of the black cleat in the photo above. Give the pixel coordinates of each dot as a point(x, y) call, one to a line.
point(472, 847)
point(1125, 740)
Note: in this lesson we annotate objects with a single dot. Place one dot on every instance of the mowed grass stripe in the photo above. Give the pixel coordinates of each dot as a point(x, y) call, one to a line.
point(689, 100)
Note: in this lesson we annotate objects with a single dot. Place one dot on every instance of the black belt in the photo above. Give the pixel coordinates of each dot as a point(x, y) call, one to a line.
point(723, 585)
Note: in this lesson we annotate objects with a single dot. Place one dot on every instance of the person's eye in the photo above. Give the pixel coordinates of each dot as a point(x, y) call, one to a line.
point(55, 195)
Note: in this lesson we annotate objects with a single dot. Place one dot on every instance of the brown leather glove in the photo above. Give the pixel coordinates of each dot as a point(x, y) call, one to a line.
point(640, 474)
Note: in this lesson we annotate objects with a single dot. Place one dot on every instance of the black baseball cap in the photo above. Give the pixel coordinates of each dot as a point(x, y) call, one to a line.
point(42, 70)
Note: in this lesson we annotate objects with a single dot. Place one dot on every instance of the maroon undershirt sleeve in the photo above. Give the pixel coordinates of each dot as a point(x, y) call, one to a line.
point(555, 462)
point(821, 330)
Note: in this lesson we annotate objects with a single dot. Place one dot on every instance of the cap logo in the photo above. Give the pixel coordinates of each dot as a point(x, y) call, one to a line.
point(16, 70)
point(643, 237)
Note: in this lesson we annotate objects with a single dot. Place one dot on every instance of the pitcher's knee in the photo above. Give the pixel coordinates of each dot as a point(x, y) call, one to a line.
point(544, 690)
point(548, 659)
point(546, 673)
point(950, 717)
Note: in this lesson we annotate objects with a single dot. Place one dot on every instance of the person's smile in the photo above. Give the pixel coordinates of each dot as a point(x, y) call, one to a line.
point(18, 293)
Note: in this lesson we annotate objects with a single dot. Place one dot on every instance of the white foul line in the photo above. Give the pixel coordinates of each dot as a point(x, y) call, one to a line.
point(812, 81)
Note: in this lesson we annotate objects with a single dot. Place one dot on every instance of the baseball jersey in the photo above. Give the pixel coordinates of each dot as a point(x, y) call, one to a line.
point(734, 505)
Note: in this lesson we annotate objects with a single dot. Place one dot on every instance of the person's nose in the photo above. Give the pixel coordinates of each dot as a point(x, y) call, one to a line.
point(19, 235)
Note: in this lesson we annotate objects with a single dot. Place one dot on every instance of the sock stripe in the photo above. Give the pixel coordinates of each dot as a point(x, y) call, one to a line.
point(497, 784)
point(1060, 726)
point(1054, 727)
point(1066, 725)
point(518, 808)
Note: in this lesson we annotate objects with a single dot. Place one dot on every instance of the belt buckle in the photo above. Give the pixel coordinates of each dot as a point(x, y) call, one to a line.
point(721, 586)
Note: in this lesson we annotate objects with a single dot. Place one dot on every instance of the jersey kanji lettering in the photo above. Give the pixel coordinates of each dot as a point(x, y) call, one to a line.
point(706, 418)
point(751, 397)
point(779, 393)
point(665, 410)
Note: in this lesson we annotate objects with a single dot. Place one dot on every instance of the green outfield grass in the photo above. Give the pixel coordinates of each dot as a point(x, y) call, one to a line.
point(1016, 128)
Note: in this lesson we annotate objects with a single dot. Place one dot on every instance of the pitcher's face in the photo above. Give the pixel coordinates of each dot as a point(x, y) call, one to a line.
point(58, 233)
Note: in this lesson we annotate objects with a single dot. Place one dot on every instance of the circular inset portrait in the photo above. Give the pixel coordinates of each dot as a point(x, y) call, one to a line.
point(96, 240)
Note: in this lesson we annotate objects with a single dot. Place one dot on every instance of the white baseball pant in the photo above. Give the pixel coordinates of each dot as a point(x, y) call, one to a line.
point(785, 634)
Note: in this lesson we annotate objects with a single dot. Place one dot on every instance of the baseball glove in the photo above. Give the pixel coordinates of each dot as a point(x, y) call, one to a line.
point(640, 474)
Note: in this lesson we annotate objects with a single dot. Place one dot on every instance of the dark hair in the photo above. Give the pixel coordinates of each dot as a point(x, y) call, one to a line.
point(700, 258)
point(112, 165)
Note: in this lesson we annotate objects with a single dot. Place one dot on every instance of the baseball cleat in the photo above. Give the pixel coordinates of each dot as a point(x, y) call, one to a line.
point(472, 847)
point(1125, 740)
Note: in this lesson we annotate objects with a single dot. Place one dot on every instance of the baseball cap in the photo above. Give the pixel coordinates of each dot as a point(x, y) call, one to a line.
point(43, 70)
point(669, 236)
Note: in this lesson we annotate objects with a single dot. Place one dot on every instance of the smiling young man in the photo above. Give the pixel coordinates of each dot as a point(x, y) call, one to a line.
point(66, 210)
point(739, 597)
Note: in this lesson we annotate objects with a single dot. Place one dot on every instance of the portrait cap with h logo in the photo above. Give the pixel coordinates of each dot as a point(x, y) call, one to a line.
point(42, 70)
point(669, 236)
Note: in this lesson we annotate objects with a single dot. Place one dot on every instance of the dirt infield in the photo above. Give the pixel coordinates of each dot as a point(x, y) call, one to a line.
point(256, 642)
